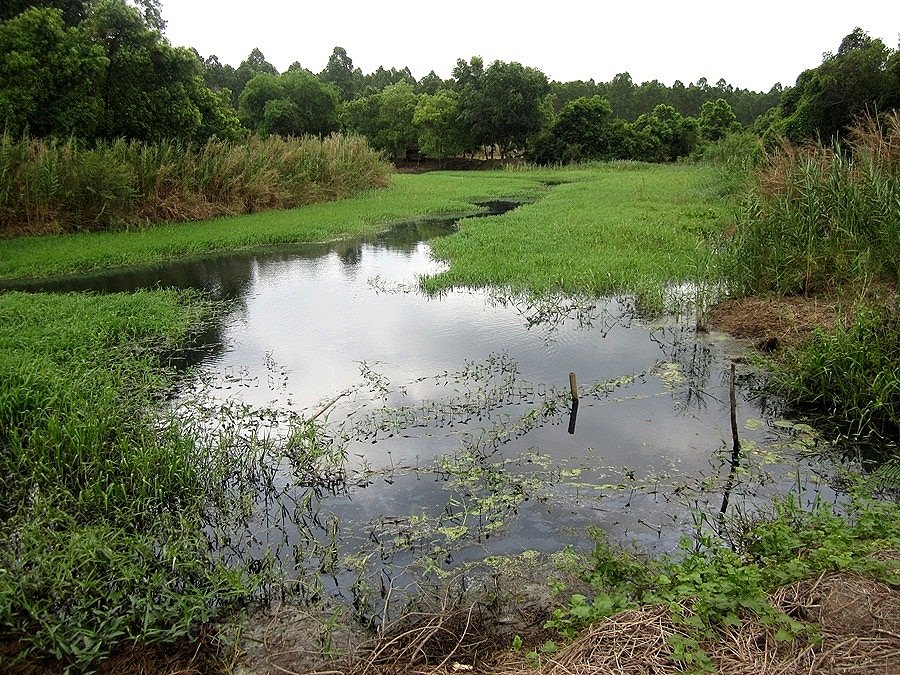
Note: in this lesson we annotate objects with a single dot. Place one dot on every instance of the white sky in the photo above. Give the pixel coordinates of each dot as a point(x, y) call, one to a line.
point(751, 44)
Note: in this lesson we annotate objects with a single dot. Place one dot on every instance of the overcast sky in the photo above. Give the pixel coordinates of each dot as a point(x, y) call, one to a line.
point(750, 44)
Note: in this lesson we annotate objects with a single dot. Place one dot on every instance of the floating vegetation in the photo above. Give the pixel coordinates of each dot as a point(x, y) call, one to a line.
point(372, 493)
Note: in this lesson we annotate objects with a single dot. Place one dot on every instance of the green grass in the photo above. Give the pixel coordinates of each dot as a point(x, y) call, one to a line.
point(599, 229)
point(617, 228)
point(101, 537)
point(408, 197)
point(712, 584)
point(849, 378)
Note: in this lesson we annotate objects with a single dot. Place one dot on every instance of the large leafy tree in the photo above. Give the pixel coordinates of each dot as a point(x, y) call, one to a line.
point(468, 82)
point(339, 71)
point(430, 84)
point(48, 76)
point(717, 120)
point(667, 134)
point(75, 11)
point(103, 69)
point(440, 131)
point(292, 104)
point(514, 95)
point(72, 11)
point(396, 107)
point(149, 89)
point(385, 118)
point(584, 122)
point(855, 80)
point(585, 129)
point(255, 64)
point(502, 105)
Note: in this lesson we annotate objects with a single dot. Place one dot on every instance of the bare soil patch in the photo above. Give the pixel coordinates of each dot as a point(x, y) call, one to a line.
point(775, 322)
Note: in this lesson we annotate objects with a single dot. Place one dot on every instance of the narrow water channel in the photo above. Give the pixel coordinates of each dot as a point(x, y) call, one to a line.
point(444, 432)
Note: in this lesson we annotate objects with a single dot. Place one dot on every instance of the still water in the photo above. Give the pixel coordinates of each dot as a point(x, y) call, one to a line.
point(444, 430)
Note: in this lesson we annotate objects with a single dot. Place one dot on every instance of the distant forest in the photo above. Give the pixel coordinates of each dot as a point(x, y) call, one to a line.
point(98, 70)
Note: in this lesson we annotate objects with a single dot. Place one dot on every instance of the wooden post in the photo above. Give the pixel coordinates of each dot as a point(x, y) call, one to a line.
point(573, 386)
point(736, 447)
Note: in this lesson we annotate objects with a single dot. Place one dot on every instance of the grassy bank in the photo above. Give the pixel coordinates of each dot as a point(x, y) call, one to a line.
point(772, 599)
point(618, 228)
point(101, 540)
point(408, 197)
point(600, 229)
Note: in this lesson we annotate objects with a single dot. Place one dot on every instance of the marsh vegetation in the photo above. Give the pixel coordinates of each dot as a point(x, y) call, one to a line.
point(288, 411)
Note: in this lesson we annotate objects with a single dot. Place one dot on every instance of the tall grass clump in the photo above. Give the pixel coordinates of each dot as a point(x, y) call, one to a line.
point(737, 156)
point(58, 186)
point(850, 376)
point(823, 216)
point(101, 529)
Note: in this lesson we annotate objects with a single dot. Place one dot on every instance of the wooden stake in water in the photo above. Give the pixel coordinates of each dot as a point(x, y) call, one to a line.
point(573, 386)
point(736, 448)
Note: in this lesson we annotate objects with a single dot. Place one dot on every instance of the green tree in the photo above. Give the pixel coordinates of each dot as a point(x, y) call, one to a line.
point(381, 78)
point(385, 118)
point(396, 132)
point(468, 82)
point(255, 64)
point(339, 71)
point(430, 84)
point(620, 93)
point(848, 84)
point(291, 104)
point(665, 134)
point(360, 116)
point(437, 120)
point(502, 105)
point(149, 89)
point(717, 120)
point(584, 122)
point(48, 76)
point(73, 11)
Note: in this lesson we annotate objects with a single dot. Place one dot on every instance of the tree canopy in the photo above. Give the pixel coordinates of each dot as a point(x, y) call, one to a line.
point(102, 69)
point(862, 77)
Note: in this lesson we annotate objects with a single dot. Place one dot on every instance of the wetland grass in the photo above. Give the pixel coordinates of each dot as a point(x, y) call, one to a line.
point(407, 198)
point(605, 229)
point(100, 501)
point(824, 221)
point(59, 186)
point(821, 217)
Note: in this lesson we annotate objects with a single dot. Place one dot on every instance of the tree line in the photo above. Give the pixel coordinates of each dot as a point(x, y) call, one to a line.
point(103, 69)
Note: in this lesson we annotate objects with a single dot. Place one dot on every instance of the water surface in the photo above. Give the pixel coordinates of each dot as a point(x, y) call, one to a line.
point(448, 419)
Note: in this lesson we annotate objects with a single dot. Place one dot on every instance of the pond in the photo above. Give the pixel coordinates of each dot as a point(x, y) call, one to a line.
point(443, 432)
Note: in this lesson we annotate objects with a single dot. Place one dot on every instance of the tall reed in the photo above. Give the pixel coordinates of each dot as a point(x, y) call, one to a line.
point(57, 186)
point(822, 216)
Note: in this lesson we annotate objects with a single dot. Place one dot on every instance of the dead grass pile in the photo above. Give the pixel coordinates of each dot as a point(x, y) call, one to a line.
point(199, 657)
point(858, 621)
point(854, 628)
